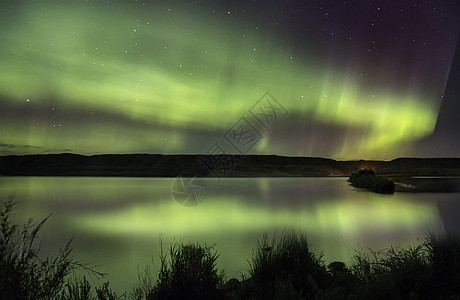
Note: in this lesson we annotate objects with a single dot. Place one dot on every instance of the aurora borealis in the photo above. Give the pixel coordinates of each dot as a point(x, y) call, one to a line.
point(358, 79)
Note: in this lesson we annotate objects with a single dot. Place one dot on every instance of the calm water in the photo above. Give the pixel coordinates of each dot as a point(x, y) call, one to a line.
point(117, 222)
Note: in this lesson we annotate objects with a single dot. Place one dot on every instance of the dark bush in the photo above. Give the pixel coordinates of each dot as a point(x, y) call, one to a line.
point(427, 271)
point(23, 274)
point(287, 268)
point(368, 180)
point(444, 256)
point(190, 273)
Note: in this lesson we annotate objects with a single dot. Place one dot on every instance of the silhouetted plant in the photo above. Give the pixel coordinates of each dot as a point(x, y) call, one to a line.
point(80, 289)
point(429, 270)
point(144, 288)
point(444, 255)
point(286, 266)
point(105, 292)
point(77, 290)
point(190, 273)
point(23, 274)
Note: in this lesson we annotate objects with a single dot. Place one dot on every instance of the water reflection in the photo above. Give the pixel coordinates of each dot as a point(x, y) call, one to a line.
point(116, 222)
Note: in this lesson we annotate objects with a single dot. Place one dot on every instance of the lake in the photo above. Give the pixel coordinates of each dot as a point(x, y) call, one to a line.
point(117, 223)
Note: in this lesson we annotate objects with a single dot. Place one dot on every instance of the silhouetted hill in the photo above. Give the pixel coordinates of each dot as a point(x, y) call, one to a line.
point(157, 165)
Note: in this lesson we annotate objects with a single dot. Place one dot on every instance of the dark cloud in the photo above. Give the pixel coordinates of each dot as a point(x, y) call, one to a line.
point(11, 149)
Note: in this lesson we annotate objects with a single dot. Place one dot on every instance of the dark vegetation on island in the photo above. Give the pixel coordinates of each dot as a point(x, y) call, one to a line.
point(283, 268)
point(369, 180)
point(157, 165)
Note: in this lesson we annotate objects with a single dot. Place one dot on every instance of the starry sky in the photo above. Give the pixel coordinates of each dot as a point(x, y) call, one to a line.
point(346, 79)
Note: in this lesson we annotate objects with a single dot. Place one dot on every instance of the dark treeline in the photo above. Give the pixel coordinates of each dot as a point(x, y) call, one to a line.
point(157, 165)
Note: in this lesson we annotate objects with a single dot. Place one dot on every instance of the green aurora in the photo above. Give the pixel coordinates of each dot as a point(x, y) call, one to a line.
point(92, 79)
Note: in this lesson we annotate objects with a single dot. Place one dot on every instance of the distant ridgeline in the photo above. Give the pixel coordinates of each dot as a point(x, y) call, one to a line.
point(158, 165)
point(368, 180)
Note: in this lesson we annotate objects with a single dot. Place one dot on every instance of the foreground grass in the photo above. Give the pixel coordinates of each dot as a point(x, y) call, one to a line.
point(283, 268)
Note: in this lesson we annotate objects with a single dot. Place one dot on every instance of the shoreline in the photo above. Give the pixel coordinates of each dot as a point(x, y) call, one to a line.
point(218, 166)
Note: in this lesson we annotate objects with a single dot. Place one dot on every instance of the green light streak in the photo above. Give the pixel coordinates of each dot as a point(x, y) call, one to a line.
point(153, 66)
point(226, 215)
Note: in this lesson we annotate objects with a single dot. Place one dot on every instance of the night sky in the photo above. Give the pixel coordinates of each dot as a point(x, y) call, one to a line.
point(356, 79)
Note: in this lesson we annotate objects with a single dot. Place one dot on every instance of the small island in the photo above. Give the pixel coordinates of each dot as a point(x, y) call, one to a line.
point(369, 180)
